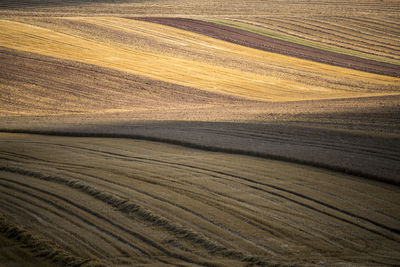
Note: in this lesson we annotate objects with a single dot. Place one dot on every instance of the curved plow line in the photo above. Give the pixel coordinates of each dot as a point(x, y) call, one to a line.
point(70, 214)
point(42, 247)
point(66, 217)
point(128, 207)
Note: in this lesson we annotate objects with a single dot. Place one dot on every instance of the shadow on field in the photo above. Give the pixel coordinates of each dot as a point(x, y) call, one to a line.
point(368, 156)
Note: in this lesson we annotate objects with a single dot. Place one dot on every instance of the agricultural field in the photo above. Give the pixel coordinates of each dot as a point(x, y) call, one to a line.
point(199, 133)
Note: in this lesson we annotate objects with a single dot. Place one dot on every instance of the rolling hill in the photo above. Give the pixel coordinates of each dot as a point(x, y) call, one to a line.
point(199, 133)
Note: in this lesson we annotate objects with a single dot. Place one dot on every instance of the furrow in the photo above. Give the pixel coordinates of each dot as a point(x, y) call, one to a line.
point(43, 247)
point(78, 217)
point(195, 168)
point(383, 26)
point(192, 196)
point(37, 212)
point(347, 26)
point(339, 35)
point(315, 38)
point(133, 209)
point(302, 196)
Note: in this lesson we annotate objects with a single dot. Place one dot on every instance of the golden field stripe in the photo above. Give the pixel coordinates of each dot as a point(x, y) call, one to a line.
point(208, 77)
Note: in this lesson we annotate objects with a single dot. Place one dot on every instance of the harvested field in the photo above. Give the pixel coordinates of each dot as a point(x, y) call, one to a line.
point(261, 76)
point(228, 133)
point(258, 41)
point(139, 202)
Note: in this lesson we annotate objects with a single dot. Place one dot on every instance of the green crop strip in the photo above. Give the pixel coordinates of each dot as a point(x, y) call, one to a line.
point(303, 42)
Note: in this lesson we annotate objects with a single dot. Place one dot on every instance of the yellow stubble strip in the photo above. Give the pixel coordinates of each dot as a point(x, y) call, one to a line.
point(185, 72)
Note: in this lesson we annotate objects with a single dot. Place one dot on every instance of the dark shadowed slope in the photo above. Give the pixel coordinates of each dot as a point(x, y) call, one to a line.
point(365, 155)
point(269, 44)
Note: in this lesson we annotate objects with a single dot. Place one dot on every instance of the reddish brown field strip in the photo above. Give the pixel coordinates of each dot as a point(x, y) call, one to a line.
point(269, 44)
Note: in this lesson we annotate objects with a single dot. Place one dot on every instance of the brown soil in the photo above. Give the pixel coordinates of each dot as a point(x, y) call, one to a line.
point(41, 85)
point(269, 44)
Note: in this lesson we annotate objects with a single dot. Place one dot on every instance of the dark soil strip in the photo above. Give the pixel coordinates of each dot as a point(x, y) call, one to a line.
point(269, 44)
